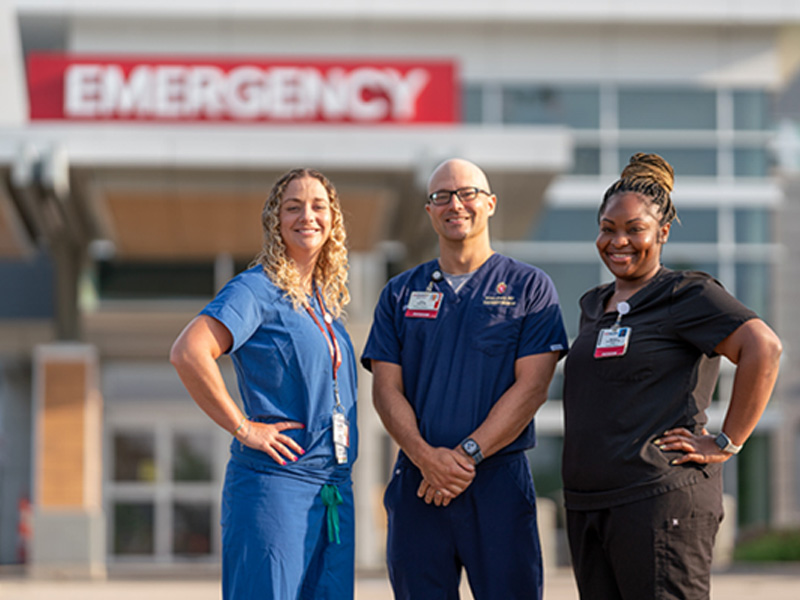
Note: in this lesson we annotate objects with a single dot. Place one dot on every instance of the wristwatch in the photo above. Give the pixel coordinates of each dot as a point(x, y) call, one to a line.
point(726, 445)
point(472, 449)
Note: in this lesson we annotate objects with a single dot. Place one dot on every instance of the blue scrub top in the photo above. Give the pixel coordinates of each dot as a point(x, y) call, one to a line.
point(457, 366)
point(283, 366)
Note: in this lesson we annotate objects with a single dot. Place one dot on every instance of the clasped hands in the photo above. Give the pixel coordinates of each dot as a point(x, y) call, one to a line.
point(446, 473)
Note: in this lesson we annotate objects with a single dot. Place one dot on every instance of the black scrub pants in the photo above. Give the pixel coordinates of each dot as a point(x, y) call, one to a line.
point(659, 547)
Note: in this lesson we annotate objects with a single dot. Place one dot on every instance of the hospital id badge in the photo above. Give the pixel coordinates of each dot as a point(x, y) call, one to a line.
point(612, 342)
point(424, 305)
point(341, 437)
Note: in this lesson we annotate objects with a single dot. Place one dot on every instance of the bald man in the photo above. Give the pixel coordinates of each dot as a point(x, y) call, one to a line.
point(462, 349)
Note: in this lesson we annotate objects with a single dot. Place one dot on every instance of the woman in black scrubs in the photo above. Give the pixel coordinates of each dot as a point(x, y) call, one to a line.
point(642, 476)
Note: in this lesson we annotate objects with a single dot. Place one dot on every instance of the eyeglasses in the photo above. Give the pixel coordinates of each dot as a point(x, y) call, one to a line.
point(465, 194)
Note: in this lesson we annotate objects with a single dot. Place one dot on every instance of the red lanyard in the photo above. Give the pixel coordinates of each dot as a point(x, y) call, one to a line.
point(333, 344)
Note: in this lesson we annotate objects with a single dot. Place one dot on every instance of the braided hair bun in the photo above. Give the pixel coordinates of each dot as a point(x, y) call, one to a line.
point(650, 166)
point(650, 176)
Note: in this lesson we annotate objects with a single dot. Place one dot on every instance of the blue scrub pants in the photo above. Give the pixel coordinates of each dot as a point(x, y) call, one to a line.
point(275, 539)
point(490, 530)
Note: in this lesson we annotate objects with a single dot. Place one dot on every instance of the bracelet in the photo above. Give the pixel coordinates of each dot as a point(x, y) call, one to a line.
point(241, 424)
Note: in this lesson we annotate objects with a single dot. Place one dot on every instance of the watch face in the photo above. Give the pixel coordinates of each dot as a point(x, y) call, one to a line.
point(470, 447)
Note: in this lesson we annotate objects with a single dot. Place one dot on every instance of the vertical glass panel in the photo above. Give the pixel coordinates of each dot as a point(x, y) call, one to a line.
point(571, 281)
point(192, 456)
point(687, 162)
point(566, 225)
point(191, 528)
point(755, 480)
point(697, 225)
point(667, 109)
point(545, 462)
point(752, 287)
point(133, 528)
point(134, 456)
point(753, 226)
point(541, 104)
point(751, 162)
point(587, 161)
point(751, 110)
point(472, 104)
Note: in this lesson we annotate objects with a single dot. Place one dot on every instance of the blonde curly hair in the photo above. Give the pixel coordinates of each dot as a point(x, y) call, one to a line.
point(330, 271)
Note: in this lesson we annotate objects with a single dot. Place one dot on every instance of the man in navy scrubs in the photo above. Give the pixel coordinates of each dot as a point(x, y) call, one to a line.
point(462, 349)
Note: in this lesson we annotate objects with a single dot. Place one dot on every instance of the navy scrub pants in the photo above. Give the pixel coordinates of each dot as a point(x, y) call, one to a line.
point(490, 530)
point(275, 542)
point(655, 548)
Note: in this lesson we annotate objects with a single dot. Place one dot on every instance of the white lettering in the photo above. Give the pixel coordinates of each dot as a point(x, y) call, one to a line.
point(403, 92)
point(132, 97)
point(244, 86)
point(247, 92)
point(170, 87)
point(83, 84)
point(204, 92)
point(334, 93)
point(365, 103)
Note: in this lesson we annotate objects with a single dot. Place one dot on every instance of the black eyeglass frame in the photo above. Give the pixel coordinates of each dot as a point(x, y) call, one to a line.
point(432, 198)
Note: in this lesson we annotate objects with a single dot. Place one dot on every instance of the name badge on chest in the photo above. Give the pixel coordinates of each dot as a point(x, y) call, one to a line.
point(424, 305)
point(612, 342)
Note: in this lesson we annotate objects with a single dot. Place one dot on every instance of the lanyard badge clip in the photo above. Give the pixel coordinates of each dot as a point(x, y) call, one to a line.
point(613, 341)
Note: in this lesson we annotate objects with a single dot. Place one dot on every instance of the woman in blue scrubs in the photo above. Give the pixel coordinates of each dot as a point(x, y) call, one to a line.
point(287, 510)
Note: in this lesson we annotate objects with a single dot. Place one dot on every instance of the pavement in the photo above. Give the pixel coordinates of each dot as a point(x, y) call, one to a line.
point(776, 582)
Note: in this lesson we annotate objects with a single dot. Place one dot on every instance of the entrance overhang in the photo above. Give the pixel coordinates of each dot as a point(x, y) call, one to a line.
point(190, 192)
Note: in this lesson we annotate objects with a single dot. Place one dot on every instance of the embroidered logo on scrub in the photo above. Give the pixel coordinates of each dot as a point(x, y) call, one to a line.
point(500, 299)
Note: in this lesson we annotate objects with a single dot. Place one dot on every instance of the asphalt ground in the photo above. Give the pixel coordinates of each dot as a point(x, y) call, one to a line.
point(776, 582)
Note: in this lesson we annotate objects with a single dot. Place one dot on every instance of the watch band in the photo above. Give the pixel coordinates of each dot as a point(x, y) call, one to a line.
point(725, 444)
point(472, 449)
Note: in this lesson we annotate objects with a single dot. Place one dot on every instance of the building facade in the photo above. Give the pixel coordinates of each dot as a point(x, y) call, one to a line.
point(140, 140)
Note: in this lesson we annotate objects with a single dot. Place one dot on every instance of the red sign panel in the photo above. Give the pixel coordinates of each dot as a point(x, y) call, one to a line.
point(89, 88)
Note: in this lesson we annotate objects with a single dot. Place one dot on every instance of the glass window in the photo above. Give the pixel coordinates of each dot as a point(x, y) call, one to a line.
point(472, 104)
point(566, 225)
point(586, 161)
point(687, 162)
point(192, 456)
point(752, 287)
point(547, 105)
point(191, 528)
point(133, 528)
point(571, 281)
point(751, 162)
point(545, 462)
point(751, 110)
point(122, 280)
point(667, 109)
point(753, 226)
point(696, 225)
point(33, 282)
point(134, 456)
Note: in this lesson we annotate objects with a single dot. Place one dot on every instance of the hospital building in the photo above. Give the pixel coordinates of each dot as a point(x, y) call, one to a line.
point(138, 141)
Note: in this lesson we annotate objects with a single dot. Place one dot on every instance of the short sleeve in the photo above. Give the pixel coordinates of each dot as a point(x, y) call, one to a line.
point(703, 313)
point(236, 307)
point(543, 325)
point(383, 342)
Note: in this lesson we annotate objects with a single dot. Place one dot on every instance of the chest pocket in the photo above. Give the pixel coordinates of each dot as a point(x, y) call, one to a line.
point(496, 330)
point(635, 365)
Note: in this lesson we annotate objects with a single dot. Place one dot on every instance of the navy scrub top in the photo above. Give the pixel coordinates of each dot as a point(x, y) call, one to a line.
point(457, 365)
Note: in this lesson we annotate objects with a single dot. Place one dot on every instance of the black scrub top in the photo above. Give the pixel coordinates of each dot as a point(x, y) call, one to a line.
point(615, 407)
